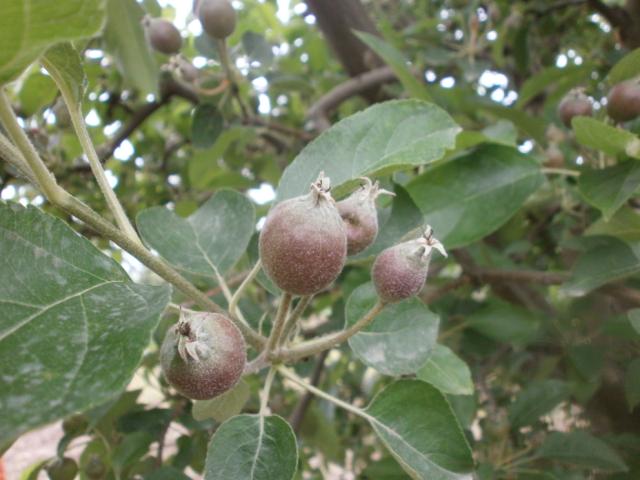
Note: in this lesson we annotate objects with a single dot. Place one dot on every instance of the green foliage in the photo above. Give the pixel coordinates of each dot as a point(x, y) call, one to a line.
point(212, 239)
point(125, 40)
point(581, 448)
point(519, 359)
point(447, 372)
point(253, 447)
point(74, 326)
point(471, 196)
point(29, 27)
point(399, 341)
point(610, 188)
point(415, 422)
point(385, 137)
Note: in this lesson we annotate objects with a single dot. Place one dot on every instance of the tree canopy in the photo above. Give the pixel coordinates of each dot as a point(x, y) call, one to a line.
point(139, 168)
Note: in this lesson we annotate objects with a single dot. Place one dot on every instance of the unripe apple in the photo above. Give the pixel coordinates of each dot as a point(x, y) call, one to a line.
point(62, 469)
point(358, 211)
point(574, 104)
point(218, 18)
point(203, 355)
point(303, 244)
point(163, 36)
point(400, 271)
point(623, 101)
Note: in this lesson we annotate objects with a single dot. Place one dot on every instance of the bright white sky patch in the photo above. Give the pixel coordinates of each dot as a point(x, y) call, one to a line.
point(284, 11)
point(124, 151)
point(561, 61)
point(92, 119)
point(489, 79)
point(112, 128)
point(9, 192)
point(447, 82)
point(111, 178)
point(526, 146)
point(263, 194)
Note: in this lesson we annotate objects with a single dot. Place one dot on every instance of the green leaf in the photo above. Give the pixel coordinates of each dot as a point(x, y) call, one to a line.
point(536, 400)
point(64, 63)
point(607, 260)
point(447, 372)
point(385, 469)
point(624, 224)
point(632, 384)
point(394, 223)
point(131, 449)
point(610, 188)
point(387, 136)
point(504, 322)
point(125, 40)
point(503, 131)
point(215, 236)
point(536, 84)
point(29, 27)
point(204, 169)
point(72, 325)
point(628, 67)
point(532, 126)
point(166, 472)
point(37, 91)
point(223, 407)
point(471, 196)
point(398, 63)
point(613, 141)
point(399, 340)
point(416, 423)
point(634, 319)
point(206, 125)
point(252, 447)
point(257, 47)
point(581, 449)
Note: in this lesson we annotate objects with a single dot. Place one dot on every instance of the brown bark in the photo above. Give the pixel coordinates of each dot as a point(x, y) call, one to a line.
point(337, 19)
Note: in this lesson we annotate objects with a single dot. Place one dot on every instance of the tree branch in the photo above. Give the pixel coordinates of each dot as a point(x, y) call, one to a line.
point(337, 19)
point(137, 119)
point(318, 112)
point(626, 20)
point(325, 342)
point(297, 416)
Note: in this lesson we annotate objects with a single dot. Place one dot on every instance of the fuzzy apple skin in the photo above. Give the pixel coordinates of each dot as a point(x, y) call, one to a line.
point(399, 273)
point(303, 244)
point(358, 211)
point(206, 358)
point(573, 105)
point(623, 101)
point(164, 37)
point(218, 18)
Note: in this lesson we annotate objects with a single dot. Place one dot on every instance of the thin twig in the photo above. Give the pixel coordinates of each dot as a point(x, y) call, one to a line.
point(231, 76)
point(560, 171)
point(292, 320)
point(45, 180)
point(264, 394)
point(10, 154)
point(297, 416)
point(233, 302)
point(75, 112)
point(317, 345)
point(278, 325)
point(319, 111)
point(291, 375)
